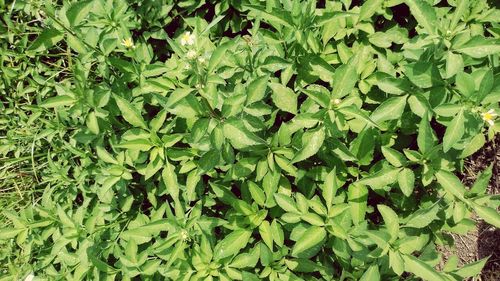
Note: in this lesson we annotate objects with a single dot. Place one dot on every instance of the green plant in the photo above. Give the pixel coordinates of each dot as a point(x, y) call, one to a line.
point(280, 140)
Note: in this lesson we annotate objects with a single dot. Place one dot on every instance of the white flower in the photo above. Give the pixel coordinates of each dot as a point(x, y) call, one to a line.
point(187, 39)
point(128, 43)
point(489, 116)
point(337, 101)
point(191, 54)
point(201, 59)
point(184, 235)
point(30, 277)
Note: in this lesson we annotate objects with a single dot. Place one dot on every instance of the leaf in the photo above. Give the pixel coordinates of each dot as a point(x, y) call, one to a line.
point(311, 147)
point(57, 101)
point(357, 196)
point(423, 217)
point(421, 269)
point(425, 137)
point(369, 8)
point(392, 85)
point(266, 233)
point(286, 203)
point(78, 12)
point(450, 183)
point(278, 17)
point(309, 243)
point(9, 233)
point(257, 193)
point(92, 123)
point(424, 14)
point(471, 269)
point(344, 79)
point(390, 109)
point(130, 113)
point(462, 7)
point(239, 136)
point(138, 144)
point(423, 74)
point(208, 161)
point(396, 158)
point(218, 55)
point(330, 187)
point(406, 181)
point(391, 220)
point(481, 184)
point(256, 90)
point(396, 262)
point(48, 38)
point(454, 131)
point(232, 244)
point(284, 98)
point(479, 47)
point(372, 274)
point(381, 179)
point(352, 110)
point(488, 214)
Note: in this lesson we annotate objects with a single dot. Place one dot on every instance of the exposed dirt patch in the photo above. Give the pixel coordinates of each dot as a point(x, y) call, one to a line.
point(484, 241)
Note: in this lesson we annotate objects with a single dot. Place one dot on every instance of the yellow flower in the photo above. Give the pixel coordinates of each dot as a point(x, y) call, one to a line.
point(187, 39)
point(128, 43)
point(191, 54)
point(489, 116)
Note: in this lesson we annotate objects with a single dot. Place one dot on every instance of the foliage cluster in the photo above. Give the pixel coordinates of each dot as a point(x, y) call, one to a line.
point(243, 140)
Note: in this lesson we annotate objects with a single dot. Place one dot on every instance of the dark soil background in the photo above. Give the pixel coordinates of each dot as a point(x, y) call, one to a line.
point(484, 241)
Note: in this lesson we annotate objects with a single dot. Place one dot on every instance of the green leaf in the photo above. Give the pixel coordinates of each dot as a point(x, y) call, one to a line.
point(423, 217)
point(218, 55)
point(309, 243)
point(450, 183)
point(48, 38)
point(462, 7)
point(481, 184)
point(381, 179)
point(392, 85)
point(424, 14)
point(130, 113)
point(284, 98)
point(454, 131)
point(239, 136)
point(9, 233)
point(256, 90)
point(396, 158)
point(369, 8)
point(232, 244)
point(78, 12)
point(423, 74)
point(257, 193)
point(479, 47)
point(266, 233)
point(281, 18)
point(391, 220)
point(344, 79)
point(355, 112)
point(471, 269)
point(92, 123)
point(372, 274)
point(58, 101)
point(488, 214)
point(425, 138)
point(390, 109)
point(138, 144)
point(208, 161)
point(396, 262)
point(330, 187)
point(421, 269)
point(357, 196)
point(311, 146)
point(406, 181)
point(286, 203)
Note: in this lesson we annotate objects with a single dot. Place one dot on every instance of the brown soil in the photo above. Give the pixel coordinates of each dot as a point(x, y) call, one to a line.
point(484, 241)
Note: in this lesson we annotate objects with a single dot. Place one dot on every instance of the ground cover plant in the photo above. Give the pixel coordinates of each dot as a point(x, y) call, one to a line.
point(243, 140)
